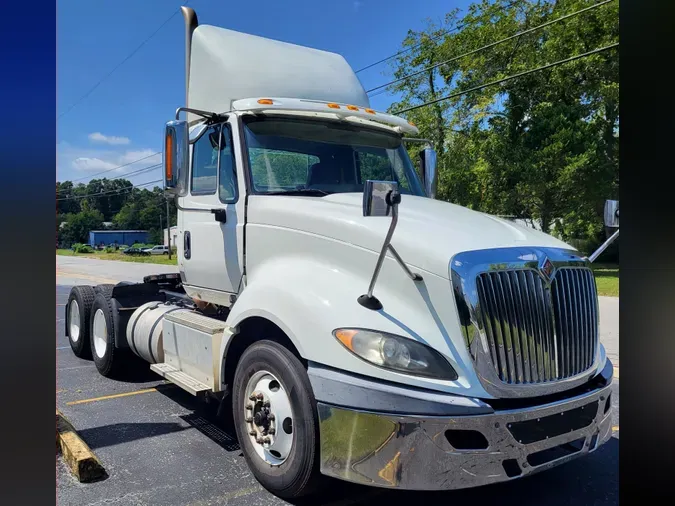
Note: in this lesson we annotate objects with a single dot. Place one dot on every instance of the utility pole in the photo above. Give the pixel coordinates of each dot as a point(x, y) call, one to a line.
point(168, 228)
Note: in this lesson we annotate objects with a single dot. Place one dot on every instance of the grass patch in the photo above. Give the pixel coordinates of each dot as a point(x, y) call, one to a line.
point(102, 255)
point(607, 279)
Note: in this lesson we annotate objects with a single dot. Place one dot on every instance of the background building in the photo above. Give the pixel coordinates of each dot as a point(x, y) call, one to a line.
point(174, 236)
point(126, 237)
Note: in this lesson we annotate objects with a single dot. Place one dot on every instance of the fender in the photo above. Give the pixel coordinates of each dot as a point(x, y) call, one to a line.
point(309, 299)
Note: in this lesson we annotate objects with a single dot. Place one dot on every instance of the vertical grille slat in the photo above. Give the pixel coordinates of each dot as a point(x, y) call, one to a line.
point(529, 326)
point(522, 331)
point(583, 291)
point(537, 332)
point(487, 322)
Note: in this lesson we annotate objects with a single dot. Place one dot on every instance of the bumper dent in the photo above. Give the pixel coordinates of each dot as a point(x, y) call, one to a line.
point(414, 452)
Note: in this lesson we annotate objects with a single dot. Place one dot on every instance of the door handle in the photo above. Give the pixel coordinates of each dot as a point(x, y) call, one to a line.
point(220, 215)
point(186, 245)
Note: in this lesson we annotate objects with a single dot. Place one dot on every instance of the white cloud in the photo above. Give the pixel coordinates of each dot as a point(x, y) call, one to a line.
point(150, 157)
point(73, 162)
point(92, 164)
point(108, 139)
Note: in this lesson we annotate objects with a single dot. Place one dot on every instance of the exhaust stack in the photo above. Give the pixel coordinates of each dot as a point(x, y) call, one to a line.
point(191, 23)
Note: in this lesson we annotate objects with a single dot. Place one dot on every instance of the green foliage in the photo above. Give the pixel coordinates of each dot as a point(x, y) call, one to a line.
point(82, 248)
point(128, 209)
point(544, 146)
point(77, 226)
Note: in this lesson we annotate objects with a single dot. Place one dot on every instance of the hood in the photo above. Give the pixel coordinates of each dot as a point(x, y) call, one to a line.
point(429, 232)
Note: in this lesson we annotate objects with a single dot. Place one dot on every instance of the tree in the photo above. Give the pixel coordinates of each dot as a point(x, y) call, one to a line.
point(543, 146)
point(79, 225)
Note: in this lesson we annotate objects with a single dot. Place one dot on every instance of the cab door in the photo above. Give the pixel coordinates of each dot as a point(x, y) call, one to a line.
point(209, 256)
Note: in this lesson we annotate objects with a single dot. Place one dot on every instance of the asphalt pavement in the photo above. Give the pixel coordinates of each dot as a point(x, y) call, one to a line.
point(162, 446)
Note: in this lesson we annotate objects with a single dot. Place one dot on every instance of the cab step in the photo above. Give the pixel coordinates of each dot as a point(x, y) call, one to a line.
point(179, 378)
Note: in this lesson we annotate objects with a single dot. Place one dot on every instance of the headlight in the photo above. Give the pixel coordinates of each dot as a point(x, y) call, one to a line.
point(396, 353)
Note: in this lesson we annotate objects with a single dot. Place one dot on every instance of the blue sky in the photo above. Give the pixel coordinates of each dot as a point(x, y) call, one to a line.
point(122, 119)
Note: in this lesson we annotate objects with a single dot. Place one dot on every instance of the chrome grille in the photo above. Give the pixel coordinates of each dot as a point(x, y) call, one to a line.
point(534, 333)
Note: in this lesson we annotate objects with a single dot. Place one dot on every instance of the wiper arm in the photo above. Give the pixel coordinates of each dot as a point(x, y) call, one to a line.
point(301, 191)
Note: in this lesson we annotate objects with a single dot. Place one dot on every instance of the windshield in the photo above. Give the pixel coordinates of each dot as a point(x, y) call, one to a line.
point(320, 157)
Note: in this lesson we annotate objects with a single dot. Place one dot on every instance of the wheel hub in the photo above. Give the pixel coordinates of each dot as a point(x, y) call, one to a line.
point(74, 320)
point(266, 408)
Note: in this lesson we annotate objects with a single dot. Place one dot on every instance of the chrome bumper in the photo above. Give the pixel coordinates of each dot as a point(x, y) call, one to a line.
point(415, 452)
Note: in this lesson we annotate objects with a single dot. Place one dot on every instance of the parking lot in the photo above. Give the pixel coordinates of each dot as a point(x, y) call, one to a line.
point(160, 445)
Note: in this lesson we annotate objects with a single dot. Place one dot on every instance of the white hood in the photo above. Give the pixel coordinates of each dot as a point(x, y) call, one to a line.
point(428, 234)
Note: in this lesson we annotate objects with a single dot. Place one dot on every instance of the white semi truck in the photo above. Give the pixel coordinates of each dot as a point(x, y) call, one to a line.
point(356, 327)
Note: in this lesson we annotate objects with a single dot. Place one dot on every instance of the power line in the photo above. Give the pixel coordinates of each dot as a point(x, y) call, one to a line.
point(115, 168)
point(443, 34)
point(110, 193)
point(493, 44)
point(521, 74)
point(119, 64)
point(130, 174)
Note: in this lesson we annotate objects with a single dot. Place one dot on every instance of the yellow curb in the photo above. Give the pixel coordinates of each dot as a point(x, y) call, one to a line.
point(76, 453)
point(113, 396)
point(616, 372)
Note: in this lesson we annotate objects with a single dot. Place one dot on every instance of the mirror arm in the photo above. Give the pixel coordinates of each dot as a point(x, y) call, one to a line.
point(602, 247)
point(412, 275)
point(416, 139)
point(204, 114)
point(368, 300)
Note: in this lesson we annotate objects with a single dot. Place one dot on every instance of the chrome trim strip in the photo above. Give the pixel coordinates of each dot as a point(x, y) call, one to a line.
point(528, 333)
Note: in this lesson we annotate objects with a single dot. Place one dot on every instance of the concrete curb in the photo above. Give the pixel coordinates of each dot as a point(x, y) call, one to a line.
point(76, 453)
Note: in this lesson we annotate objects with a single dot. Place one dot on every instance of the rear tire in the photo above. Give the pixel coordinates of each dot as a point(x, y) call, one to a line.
point(78, 311)
point(296, 473)
point(105, 288)
point(107, 358)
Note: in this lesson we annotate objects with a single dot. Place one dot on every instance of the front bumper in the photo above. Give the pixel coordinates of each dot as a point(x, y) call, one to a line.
point(420, 452)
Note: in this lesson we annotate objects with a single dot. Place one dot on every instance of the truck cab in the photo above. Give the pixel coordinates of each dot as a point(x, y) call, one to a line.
point(355, 326)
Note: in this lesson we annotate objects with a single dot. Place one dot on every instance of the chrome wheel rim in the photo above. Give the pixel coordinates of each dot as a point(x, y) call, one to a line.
point(100, 334)
point(74, 321)
point(268, 418)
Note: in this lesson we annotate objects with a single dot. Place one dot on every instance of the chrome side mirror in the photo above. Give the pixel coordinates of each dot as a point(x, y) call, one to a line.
point(176, 164)
point(381, 199)
point(611, 222)
point(376, 195)
point(612, 214)
point(429, 172)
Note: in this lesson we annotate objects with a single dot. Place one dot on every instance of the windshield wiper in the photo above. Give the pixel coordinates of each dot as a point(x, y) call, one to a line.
point(310, 192)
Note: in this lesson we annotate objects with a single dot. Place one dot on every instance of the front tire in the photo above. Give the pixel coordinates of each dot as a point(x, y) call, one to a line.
point(287, 462)
point(107, 358)
point(78, 311)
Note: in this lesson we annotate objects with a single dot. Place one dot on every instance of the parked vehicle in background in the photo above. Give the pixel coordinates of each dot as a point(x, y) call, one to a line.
point(454, 371)
point(135, 251)
point(157, 250)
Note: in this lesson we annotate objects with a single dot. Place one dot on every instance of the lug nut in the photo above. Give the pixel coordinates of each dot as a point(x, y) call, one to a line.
point(271, 432)
point(252, 433)
point(252, 397)
point(266, 404)
point(249, 407)
point(259, 440)
point(266, 440)
point(260, 397)
point(248, 419)
point(270, 417)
